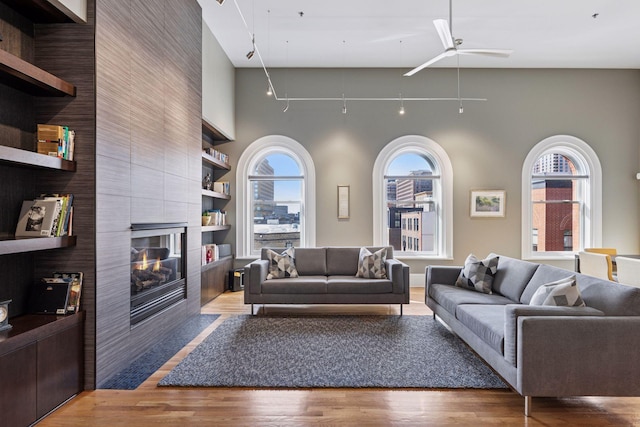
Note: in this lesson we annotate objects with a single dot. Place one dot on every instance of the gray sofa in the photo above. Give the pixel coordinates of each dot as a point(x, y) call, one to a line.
point(545, 351)
point(326, 276)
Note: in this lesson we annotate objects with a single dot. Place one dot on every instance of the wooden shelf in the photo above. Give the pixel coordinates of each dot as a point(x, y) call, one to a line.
point(40, 11)
point(216, 263)
point(215, 228)
point(215, 195)
point(213, 133)
point(22, 75)
point(13, 245)
point(30, 159)
point(215, 162)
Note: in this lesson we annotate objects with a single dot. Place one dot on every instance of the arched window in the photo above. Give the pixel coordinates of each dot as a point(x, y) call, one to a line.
point(413, 198)
point(276, 196)
point(561, 199)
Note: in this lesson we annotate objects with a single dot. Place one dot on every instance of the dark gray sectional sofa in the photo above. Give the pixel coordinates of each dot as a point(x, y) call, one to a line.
point(545, 351)
point(326, 276)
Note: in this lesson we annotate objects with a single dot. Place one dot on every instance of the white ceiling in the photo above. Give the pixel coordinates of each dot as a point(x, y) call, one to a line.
point(400, 33)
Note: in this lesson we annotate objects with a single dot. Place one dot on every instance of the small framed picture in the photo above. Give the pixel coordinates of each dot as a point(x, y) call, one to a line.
point(343, 202)
point(488, 203)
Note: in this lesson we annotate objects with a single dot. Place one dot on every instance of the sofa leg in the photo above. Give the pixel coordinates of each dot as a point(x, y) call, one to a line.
point(527, 406)
point(400, 309)
point(252, 310)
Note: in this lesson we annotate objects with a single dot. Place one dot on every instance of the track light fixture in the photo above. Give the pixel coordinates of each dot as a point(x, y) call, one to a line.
point(253, 45)
point(220, 2)
point(401, 111)
point(460, 110)
point(286, 107)
point(269, 91)
point(344, 104)
point(250, 54)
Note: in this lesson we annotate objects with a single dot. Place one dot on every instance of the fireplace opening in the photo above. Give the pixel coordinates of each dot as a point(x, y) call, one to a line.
point(157, 268)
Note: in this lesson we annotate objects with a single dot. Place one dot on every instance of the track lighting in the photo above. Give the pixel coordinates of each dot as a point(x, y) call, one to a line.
point(253, 45)
point(344, 104)
point(401, 111)
point(220, 2)
point(286, 107)
point(461, 110)
point(269, 91)
point(250, 54)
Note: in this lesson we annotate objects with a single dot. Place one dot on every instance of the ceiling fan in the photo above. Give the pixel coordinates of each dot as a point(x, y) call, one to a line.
point(451, 45)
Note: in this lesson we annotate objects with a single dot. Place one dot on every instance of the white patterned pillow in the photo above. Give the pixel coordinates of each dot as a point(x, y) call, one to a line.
point(478, 275)
point(372, 265)
point(282, 265)
point(561, 293)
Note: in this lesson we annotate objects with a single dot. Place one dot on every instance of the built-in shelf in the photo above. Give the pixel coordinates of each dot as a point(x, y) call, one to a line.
point(215, 228)
point(12, 245)
point(216, 263)
point(213, 133)
point(215, 194)
point(22, 75)
point(215, 162)
point(42, 11)
point(30, 159)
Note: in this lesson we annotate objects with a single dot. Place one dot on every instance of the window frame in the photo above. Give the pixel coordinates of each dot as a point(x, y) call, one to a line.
point(421, 145)
point(256, 151)
point(591, 214)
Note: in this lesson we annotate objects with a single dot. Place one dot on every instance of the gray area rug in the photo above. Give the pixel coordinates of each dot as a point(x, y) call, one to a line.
point(338, 351)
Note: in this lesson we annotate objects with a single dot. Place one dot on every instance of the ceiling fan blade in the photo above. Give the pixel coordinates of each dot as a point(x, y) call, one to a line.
point(500, 53)
point(426, 64)
point(444, 32)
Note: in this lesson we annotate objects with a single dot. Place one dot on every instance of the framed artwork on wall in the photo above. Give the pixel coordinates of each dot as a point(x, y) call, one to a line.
point(343, 202)
point(488, 203)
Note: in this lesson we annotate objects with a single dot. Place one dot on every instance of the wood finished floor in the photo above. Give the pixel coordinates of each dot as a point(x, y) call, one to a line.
point(150, 406)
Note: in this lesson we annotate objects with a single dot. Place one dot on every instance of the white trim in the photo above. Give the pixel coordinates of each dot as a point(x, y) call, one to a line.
point(420, 145)
point(581, 152)
point(257, 150)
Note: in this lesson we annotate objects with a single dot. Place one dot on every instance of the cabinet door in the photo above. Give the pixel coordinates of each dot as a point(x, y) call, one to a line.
point(18, 387)
point(60, 368)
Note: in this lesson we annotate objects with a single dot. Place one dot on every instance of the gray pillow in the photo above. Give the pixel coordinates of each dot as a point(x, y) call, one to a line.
point(478, 275)
point(372, 265)
point(561, 293)
point(281, 265)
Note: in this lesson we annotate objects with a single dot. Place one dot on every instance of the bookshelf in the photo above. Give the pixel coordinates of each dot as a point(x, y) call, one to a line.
point(42, 357)
point(214, 274)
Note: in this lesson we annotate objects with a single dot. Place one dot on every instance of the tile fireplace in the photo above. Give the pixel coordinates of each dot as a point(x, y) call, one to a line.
point(157, 268)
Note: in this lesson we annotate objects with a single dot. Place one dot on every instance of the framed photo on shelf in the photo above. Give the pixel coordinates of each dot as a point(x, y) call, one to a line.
point(343, 202)
point(37, 218)
point(488, 203)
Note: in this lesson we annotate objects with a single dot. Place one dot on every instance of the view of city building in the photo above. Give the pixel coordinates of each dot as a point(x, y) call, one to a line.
point(556, 208)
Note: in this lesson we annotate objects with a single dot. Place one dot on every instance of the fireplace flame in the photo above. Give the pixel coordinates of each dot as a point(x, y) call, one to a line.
point(156, 266)
point(144, 262)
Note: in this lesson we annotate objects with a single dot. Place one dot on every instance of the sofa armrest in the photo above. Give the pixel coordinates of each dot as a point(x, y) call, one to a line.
point(578, 356)
point(254, 274)
point(398, 273)
point(513, 311)
point(440, 274)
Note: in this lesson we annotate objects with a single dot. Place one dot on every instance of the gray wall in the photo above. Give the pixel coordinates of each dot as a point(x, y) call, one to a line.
point(487, 144)
point(148, 161)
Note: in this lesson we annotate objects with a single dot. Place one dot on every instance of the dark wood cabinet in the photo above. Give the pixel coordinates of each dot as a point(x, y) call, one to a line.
point(41, 361)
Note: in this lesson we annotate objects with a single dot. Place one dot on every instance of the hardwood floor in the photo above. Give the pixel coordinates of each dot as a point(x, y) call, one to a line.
point(149, 405)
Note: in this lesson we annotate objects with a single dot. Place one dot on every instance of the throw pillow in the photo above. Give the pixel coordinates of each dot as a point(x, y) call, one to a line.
point(561, 293)
point(281, 265)
point(478, 275)
point(371, 265)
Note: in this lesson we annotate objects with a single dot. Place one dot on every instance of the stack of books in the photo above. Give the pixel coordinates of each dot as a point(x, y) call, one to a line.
point(50, 215)
point(56, 141)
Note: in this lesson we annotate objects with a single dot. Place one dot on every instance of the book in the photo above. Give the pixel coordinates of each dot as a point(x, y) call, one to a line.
point(37, 218)
point(73, 303)
point(62, 221)
point(50, 296)
point(56, 139)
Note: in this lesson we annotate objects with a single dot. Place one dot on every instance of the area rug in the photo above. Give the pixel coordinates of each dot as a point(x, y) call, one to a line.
point(335, 351)
point(153, 359)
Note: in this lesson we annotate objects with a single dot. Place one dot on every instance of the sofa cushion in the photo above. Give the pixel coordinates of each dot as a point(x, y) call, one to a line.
point(311, 261)
point(281, 265)
point(561, 293)
point(478, 274)
point(512, 276)
point(486, 321)
point(355, 285)
point(300, 285)
point(450, 297)
point(372, 265)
